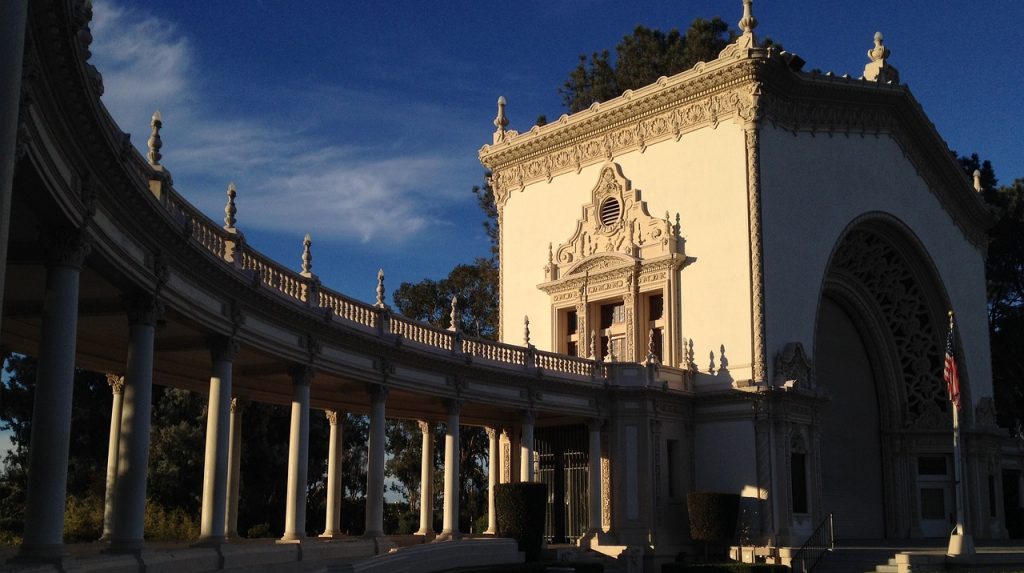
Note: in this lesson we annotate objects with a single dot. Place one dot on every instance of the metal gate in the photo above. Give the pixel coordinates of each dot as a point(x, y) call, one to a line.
point(562, 465)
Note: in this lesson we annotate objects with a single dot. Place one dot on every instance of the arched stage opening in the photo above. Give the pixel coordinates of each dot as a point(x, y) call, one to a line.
point(879, 348)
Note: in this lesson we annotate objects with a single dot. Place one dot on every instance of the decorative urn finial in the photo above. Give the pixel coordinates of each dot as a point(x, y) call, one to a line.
point(977, 180)
point(380, 289)
point(154, 139)
point(878, 68)
point(748, 22)
point(501, 121)
point(526, 331)
point(307, 256)
point(229, 209)
point(453, 325)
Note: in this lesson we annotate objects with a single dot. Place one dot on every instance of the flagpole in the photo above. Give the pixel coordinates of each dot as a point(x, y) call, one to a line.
point(960, 542)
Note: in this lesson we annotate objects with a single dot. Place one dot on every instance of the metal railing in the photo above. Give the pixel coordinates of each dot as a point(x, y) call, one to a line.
point(818, 543)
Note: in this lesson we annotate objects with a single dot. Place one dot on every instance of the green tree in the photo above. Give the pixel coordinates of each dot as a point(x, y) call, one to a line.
point(641, 58)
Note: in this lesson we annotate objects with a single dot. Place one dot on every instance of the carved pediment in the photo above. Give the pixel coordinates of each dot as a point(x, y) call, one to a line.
point(793, 365)
point(615, 222)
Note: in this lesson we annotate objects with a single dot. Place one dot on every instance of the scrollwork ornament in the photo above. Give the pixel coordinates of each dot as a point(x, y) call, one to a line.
point(752, 137)
point(116, 383)
point(66, 247)
point(142, 308)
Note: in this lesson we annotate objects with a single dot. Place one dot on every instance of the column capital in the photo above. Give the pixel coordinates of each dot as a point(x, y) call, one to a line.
point(332, 416)
point(595, 424)
point(65, 247)
point(425, 426)
point(378, 392)
point(222, 348)
point(529, 416)
point(492, 434)
point(302, 374)
point(238, 404)
point(142, 308)
point(116, 383)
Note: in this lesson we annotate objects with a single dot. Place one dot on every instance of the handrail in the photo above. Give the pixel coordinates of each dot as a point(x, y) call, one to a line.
point(817, 544)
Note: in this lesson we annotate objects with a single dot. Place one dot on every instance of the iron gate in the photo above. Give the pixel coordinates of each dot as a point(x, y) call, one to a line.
point(562, 465)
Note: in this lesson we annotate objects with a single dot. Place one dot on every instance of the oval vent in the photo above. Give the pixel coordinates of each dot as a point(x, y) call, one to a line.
point(610, 211)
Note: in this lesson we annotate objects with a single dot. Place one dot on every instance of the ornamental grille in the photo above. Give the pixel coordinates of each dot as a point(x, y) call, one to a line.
point(884, 272)
point(610, 211)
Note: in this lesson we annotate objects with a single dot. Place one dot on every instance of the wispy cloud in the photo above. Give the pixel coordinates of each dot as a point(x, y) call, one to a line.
point(291, 177)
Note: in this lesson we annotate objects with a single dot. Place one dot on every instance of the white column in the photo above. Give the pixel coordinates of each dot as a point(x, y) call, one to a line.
point(298, 456)
point(332, 525)
point(375, 464)
point(126, 531)
point(594, 469)
point(51, 410)
point(526, 448)
point(13, 14)
point(426, 480)
point(215, 466)
point(116, 384)
point(450, 520)
point(234, 468)
point(492, 479)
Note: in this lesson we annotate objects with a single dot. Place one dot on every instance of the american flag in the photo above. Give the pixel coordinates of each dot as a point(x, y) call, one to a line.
point(949, 373)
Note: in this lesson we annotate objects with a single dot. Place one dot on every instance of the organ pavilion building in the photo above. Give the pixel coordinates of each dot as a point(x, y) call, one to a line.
point(735, 280)
point(784, 246)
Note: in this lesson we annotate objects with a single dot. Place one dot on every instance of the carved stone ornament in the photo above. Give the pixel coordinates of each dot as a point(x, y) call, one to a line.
point(332, 417)
point(222, 348)
point(116, 383)
point(142, 309)
point(66, 247)
point(792, 364)
point(985, 415)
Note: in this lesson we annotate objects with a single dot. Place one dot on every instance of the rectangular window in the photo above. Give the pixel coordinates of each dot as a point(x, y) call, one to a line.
point(655, 307)
point(571, 349)
point(614, 313)
point(992, 495)
point(672, 455)
point(657, 344)
point(932, 466)
point(570, 322)
point(798, 477)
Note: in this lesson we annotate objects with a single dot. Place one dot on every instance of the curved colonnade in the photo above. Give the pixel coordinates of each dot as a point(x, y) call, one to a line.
point(110, 269)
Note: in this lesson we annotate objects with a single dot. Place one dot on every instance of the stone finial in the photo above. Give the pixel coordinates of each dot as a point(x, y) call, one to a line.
point(977, 180)
point(154, 139)
point(878, 68)
point(691, 363)
point(500, 121)
point(307, 256)
point(592, 346)
point(711, 366)
point(608, 350)
point(229, 209)
point(677, 227)
point(380, 289)
point(652, 358)
point(454, 316)
point(747, 23)
point(526, 331)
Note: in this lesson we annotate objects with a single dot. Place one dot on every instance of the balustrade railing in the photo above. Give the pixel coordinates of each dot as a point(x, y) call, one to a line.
point(229, 247)
point(818, 543)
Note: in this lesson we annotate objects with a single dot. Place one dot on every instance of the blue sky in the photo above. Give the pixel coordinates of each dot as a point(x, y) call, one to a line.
point(359, 122)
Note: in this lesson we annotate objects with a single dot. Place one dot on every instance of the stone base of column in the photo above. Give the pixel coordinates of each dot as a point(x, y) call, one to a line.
point(133, 547)
point(381, 543)
point(594, 539)
point(290, 538)
point(212, 541)
point(448, 536)
point(490, 531)
point(332, 535)
point(427, 535)
point(42, 555)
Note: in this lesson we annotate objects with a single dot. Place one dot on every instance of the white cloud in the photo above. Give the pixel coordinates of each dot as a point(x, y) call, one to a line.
point(289, 178)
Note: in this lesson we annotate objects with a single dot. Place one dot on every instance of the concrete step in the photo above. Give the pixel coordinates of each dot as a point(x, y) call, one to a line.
point(857, 560)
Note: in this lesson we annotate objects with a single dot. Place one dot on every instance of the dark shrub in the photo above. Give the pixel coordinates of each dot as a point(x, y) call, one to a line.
point(520, 509)
point(712, 515)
